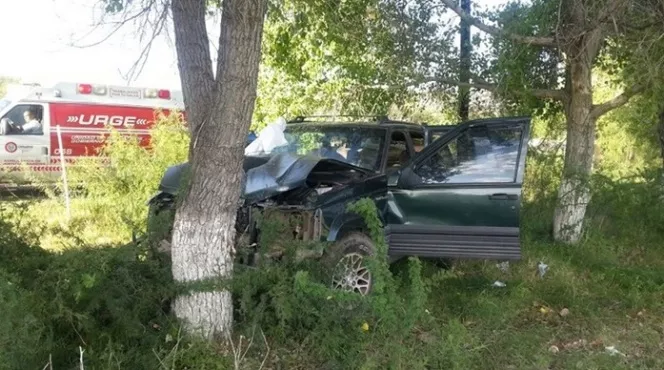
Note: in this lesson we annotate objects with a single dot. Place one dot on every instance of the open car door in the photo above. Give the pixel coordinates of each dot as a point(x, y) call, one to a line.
point(460, 197)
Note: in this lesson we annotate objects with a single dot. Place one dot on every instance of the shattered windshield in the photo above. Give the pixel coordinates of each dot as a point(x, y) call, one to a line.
point(359, 146)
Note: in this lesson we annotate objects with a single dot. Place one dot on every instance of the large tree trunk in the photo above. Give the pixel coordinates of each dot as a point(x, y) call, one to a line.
point(581, 45)
point(574, 193)
point(204, 229)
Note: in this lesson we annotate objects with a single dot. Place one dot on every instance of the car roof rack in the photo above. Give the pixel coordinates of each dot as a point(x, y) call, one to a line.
point(379, 119)
point(396, 122)
point(301, 119)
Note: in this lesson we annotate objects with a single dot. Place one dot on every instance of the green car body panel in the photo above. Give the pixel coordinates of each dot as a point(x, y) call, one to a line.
point(464, 219)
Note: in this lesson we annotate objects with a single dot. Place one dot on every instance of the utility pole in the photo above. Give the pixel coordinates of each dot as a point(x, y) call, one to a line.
point(464, 63)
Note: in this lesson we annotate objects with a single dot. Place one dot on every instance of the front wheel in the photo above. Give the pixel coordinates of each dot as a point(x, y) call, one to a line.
point(347, 259)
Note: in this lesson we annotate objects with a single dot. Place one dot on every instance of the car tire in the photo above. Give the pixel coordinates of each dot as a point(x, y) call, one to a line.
point(347, 263)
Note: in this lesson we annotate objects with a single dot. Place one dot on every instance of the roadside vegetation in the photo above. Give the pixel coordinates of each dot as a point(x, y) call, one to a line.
point(83, 285)
point(77, 291)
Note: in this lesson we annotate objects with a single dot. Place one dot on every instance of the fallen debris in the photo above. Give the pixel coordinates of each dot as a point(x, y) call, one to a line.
point(611, 350)
point(581, 343)
point(499, 284)
point(542, 268)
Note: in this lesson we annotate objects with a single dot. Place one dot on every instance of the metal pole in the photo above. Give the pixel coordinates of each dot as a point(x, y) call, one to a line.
point(465, 49)
point(64, 171)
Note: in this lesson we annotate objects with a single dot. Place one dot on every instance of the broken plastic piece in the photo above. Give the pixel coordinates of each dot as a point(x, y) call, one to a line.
point(542, 268)
point(269, 138)
point(499, 284)
point(613, 351)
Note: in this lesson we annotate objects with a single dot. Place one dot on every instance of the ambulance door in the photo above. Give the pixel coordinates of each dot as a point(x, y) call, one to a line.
point(29, 145)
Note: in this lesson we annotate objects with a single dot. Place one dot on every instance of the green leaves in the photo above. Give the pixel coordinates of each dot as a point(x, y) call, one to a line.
point(115, 6)
point(346, 57)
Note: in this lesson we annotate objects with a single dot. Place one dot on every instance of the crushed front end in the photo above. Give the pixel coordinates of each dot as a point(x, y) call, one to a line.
point(304, 196)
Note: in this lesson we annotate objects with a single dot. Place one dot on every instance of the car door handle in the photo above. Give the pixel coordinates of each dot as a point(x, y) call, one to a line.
point(503, 196)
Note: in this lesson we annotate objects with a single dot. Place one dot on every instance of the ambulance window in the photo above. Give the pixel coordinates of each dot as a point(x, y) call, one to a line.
point(24, 115)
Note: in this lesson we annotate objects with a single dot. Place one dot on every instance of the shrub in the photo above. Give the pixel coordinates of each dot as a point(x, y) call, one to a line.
point(292, 303)
point(108, 201)
point(113, 302)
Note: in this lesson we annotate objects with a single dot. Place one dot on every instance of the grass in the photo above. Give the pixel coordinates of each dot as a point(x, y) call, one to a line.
point(610, 300)
point(611, 287)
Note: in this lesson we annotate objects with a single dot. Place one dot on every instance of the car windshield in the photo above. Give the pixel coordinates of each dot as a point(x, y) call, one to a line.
point(359, 146)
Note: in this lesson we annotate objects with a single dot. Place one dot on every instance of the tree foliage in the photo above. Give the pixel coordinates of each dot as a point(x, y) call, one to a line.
point(4, 83)
point(351, 57)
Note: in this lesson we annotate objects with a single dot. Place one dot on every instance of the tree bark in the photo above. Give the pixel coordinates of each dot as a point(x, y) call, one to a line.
point(574, 193)
point(204, 228)
point(194, 60)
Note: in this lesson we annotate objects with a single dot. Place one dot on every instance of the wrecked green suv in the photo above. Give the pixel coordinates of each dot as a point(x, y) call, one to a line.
point(441, 191)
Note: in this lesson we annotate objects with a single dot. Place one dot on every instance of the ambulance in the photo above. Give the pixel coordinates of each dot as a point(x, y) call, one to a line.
point(36, 121)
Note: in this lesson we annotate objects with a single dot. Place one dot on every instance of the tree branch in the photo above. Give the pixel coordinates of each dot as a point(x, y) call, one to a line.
point(194, 60)
point(618, 101)
point(539, 93)
point(495, 31)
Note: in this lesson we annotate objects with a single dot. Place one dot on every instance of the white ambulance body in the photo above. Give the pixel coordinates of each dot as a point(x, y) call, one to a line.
point(83, 111)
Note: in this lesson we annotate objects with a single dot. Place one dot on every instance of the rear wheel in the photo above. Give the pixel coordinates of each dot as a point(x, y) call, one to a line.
point(348, 263)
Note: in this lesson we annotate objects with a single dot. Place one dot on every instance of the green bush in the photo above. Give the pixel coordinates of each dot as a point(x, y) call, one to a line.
point(293, 304)
point(108, 201)
point(113, 302)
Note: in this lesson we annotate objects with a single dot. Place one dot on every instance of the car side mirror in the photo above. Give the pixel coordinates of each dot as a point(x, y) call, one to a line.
point(407, 178)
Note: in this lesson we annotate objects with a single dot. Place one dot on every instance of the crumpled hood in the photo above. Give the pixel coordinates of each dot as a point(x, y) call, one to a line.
point(268, 176)
point(170, 182)
point(287, 171)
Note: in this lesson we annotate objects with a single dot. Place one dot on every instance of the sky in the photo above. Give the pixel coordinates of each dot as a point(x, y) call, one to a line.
point(46, 38)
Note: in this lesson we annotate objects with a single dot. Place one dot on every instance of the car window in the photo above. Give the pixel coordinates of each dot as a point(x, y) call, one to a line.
point(417, 137)
point(23, 119)
point(437, 132)
point(397, 152)
point(477, 155)
point(359, 146)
